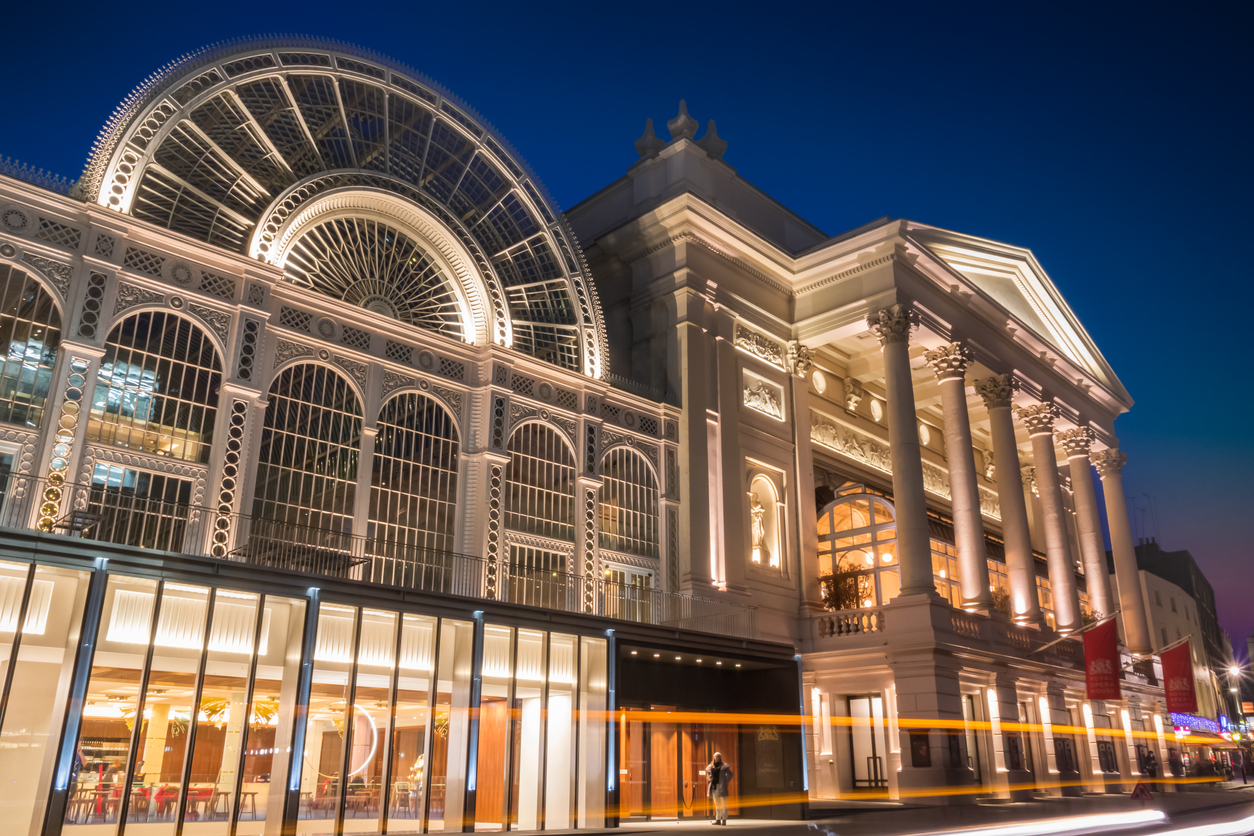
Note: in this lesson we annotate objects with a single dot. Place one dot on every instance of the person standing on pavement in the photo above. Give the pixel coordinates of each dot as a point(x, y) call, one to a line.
point(718, 780)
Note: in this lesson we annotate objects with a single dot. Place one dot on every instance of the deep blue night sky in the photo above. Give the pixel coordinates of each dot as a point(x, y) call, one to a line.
point(1114, 140)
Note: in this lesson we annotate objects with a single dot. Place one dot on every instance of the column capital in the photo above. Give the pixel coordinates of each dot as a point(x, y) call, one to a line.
point(997, 390)
point(1027, 474)
point(800, 358)
point(950, 361)
point(1108, 461)
point(893, 324)
point(1039, 418)
point(1077, 442)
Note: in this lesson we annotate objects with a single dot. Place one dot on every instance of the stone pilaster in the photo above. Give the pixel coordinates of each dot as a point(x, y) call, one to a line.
point(950, 362)
point(1039, 420)
point(892, 326)
point(998, 392)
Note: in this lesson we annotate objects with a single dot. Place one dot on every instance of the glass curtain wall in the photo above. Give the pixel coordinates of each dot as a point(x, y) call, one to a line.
point(41, 614)
point(189, 716)
point(188, 707)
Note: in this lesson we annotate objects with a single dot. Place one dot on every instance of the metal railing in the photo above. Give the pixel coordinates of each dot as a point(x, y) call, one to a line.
point(118, 516)
point(635, 387)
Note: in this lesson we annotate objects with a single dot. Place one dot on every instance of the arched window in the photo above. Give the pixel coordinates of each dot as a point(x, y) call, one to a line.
point(307, 459)
point(157, 390)
point(540, 484)
point(30, 332)
point(627, 504)
point(413, 481)
point(858, 552)
point(764, 523)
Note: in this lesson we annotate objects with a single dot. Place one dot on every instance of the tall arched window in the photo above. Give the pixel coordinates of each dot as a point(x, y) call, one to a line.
point(627, 504)
point(413, 481)
point(30, 332)
point(540, 484)
point(540, 501)
point(157, 390)
point(858, 552)
point(310, 446)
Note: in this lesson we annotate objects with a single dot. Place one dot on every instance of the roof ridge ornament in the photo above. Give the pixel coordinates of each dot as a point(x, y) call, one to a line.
point(649, 142)
point(712, 143)
point(682, 126)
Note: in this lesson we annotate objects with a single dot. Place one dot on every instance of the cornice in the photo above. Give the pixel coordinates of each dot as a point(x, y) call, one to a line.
point(691, 237)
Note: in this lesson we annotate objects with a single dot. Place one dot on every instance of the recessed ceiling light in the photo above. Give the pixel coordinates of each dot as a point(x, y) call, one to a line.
point(633, 653)
point(737, 664)
point(655, 655)
point(718, 663)
point(698, 660)
point(677, 658)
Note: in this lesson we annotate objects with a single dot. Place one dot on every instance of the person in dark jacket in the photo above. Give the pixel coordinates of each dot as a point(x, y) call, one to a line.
point(718, 780)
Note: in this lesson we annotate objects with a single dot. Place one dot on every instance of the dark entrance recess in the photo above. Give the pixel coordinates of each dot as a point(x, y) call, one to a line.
point(663, 751)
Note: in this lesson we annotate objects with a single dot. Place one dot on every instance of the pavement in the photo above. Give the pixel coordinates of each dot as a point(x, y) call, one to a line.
point(1202, 812)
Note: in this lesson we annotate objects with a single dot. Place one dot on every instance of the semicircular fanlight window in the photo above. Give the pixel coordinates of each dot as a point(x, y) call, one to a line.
point(372, 265)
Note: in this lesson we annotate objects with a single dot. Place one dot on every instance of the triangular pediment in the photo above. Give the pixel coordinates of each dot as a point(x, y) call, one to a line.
point(1012, 279)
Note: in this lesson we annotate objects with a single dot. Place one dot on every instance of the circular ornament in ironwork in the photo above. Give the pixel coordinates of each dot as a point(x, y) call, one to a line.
point(546, 391)
point(176, 302)
point(544, 415)
point(8, 250)
point(182, 273)
point(15, 220)
point(426, 360)
point(424, 385)
point(324, 355)
point(326, 328)
point(629, 419)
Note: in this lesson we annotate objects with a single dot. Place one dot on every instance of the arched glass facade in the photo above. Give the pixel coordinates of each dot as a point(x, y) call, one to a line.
point(858, 552)
point(413, 482)
point(30, 331)
point(540, 484)
point(157, 391)
point(308, 456)
point(628, 504)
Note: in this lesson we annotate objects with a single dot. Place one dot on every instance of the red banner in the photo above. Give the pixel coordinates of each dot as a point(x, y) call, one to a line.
point(1101, 661)
point(1178, 679)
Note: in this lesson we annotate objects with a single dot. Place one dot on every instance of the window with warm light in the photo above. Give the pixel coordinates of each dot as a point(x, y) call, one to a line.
point(858, 552)
point(157, 389)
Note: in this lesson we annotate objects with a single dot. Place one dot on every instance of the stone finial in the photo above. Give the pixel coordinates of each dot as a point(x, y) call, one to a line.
point(997, 390)
point(1077, 442)
point(711, 143)
point(682, 126)
point(649, 143)
point(1039, 418)
point(1108, 461)
point(853, 394)
point(950, 361)
point(800, 358)
point(893, 324)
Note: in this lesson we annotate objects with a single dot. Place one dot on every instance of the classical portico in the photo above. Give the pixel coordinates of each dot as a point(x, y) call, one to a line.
point(858, 414)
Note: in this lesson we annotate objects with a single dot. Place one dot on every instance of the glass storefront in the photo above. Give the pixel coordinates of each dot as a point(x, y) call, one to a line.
point(193, 706)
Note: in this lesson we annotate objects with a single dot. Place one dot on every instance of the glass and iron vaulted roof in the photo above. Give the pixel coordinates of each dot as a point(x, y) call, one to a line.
point(231, 144)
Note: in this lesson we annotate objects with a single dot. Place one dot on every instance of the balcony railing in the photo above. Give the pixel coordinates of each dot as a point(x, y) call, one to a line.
point(118, 516)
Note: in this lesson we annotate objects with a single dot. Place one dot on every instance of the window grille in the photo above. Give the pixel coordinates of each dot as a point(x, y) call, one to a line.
point(30, 331)
point(398, 352)
point(59, 235)
point(452, 368)
point(292, 318)
point(136, 508)
point(628, 504)
point(413, 484)
point(307, 459)
point(540, 484)
point(157, 390)
point(143, 261)
point(537, 578)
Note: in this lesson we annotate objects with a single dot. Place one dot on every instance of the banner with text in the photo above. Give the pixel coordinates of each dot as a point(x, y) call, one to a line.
point(1101, 661)
point(1178, 679)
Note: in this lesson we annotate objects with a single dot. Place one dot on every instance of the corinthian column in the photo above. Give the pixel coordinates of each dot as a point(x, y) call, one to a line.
point(950, 364)
point(1076, 443)
point(1136, 630)
point(997, 392)
point(1039, 420)
point(892, 326)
